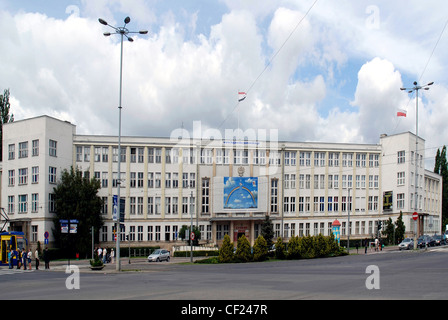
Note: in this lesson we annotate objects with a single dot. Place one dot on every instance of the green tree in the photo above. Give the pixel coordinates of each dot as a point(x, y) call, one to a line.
point(5, 117)
point(260, 249)
point(320, 246)
point(280, 249)
point(76, 197)
point(226, 250)
point(267, 230)
point(389, 231)
point(400, 228)
point(441, 168)
point(243, 253)
point(184, 234)
point(294, 248)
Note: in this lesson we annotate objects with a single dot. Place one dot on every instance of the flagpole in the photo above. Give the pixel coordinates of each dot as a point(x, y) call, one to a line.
point(238, 116)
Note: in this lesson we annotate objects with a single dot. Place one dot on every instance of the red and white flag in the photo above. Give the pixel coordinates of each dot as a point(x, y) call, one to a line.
point(241, 96)
point(401, 113)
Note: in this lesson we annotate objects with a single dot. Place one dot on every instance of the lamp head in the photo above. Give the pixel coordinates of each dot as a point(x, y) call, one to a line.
point(127, 20)
point(102, 21)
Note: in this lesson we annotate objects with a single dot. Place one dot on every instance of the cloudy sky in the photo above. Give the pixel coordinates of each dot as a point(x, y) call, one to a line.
point(315, 70)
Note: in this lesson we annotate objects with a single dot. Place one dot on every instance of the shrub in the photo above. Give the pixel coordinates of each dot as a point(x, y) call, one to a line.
point(260, 249)
point(294, 248)
point(226, 251)
point(243, 253)
point(279, 249)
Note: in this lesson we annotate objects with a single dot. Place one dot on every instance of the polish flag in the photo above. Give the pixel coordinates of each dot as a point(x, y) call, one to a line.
point(401, 113)
point(241, 96)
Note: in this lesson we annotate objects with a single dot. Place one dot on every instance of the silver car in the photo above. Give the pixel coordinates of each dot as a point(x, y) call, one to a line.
point(406, 244)
point(159, 255)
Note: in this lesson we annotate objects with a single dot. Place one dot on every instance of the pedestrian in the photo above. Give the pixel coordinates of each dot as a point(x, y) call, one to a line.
point(47, 258)
point(24, 258)
point(29, 256)
point(36, 255)
point(366, 243)
point(18, 258)
point(100, 251)
point(112, 255)
point(376, 244)
point(104, 255)
point(10, 258)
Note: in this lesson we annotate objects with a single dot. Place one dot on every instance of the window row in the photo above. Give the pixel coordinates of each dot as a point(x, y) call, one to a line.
point(154, 206)
point(224, 156)
point(330, 181)
point(151, 233)
point(329, 204)
point(23, 173)
point(24, 149)
point(154, 179)
point(28, 203)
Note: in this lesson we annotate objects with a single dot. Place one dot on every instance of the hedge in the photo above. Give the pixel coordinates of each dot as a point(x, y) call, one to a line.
point(308, 247)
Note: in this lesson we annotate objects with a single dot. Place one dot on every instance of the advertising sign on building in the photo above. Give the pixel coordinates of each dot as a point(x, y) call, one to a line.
point(240, 193)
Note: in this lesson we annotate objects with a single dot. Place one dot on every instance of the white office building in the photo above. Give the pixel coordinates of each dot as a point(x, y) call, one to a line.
point(225, 187)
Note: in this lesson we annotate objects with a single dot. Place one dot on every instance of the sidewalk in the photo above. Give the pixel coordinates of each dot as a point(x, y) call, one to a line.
point(136, 264)
point(361, 250)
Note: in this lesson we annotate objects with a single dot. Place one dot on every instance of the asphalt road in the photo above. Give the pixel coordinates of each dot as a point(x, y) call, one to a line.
point(415, 275)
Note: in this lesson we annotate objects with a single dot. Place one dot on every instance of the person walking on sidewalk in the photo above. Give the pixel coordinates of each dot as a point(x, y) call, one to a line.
point(36, 255)
point(47, 258)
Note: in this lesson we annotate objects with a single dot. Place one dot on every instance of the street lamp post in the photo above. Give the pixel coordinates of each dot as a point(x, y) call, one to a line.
point(123, 32)
point(416, 88)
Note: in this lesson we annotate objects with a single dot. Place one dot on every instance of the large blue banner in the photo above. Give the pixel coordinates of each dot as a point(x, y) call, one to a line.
point(240, 192)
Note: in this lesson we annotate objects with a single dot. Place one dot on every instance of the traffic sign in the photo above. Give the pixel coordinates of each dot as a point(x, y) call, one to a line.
point(192, 235)
point(415, 216)
point(46, 234)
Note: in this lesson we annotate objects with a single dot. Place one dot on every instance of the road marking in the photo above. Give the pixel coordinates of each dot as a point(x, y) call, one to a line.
point(14, 271)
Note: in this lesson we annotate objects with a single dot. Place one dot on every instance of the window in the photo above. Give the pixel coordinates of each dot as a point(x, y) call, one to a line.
point(140, 156)
point(167, 205)
point(11, 202)
point(23, 149)
point(35, 148)
point(400, 178)
point(401, 156)
point(133, 155)
point(35, 175)
point(150, 205)
point(23, 176)
point(274, 195)
point(34, 202)
point(140, 179)
point(52, 175)
point(105, 154)
point(86, 154)
point(104, 179)
point(11, 177)
point(150, 155)
point(11, 151)
point(205, 195)
point(175, 206)
point(23, 203)
point(51, 202)
point(97, 156)
point(400, 201)
point(158, 155)
point(361, 160)
point(52, 148)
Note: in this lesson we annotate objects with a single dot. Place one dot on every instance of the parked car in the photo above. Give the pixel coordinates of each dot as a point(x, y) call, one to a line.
point(425, 241)
point(439, 239)
point(159, 255)
point(406, 244)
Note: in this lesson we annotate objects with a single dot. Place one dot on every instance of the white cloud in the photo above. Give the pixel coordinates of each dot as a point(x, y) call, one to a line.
point(335, 79)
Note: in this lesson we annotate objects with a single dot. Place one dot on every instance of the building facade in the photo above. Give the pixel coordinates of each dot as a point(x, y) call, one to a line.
point(223, 186)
